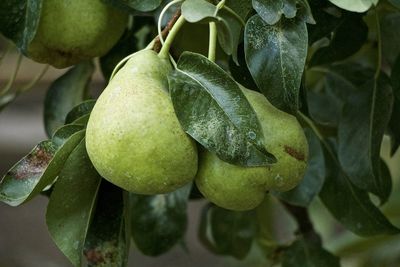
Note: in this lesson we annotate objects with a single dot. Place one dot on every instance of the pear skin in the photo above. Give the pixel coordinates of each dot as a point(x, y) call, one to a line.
point(243, 188)
point(73, 31)
point(133, 136)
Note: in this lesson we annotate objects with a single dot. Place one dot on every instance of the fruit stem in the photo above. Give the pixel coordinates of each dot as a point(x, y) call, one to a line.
point(212, 47)
point(164, 52)
point(11, 81)
point(160, 18)
point(35, 80)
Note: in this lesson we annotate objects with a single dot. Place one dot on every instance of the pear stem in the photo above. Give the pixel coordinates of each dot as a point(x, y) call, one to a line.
point(11, 81)
point(164, 52)
point(212, 47)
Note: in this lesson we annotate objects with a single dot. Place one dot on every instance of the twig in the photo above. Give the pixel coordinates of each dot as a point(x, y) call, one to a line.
point(157, 43)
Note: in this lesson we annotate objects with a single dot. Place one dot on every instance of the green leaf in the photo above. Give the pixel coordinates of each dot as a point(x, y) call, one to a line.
point(396, 3)
point(310, 186)
point(307, 252)
point(108, 238)
point(227, 232)
point(80, 110)
point(159, 222)
point(139, 5)
point(360, 215)
point(198, 10)
point(125, 46)
point(72, 204)
point(213, 110)
point(276, 57)
point(362, 125)
point(390, 35)
point(348, 38)
point(394, 124)
point(19, 20)
point(355, 5)
point(272, 10)
point(64, 94)
point(325, 24)
point(27, 178)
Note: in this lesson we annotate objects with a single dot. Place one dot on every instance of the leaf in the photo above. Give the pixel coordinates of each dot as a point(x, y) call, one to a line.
point(198, 10)
point(325, 24)
point(394, 124)
point(272, 10)
point(108, 237)
point(213, 110)
point(72, 204)
point(125, 46)
point(360, 215)
point(307, 252)
point(362, 125)
point(310, 186)
point(19, 20)
point(355, 5)
point(396, 3)
point(390, 36)
point(348, 38)
point(27, 178)
point(227, 232)
point(159, 222)
point(139, 5)
point(239, 70)
point(64, 94)
point(80, 110)
point(276, 57)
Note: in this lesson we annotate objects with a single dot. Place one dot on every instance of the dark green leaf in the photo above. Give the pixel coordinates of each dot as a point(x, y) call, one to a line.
point(159, 222)
point(125, 46)
point(108, 238)
point(27, 178)
point(139, 5)
point(83, 120)
point(394, 121)
point(310, 186)
point(362, 125)
point(360, 215)
point(64, 94)
point(396, 3)
point(212, 109)
point(355, 5)
point(306, 252)
point(240, 72)
point(227, 232)
point(324, 108)
point(276, 56)
point(348, 37)
point(272, 10)
point(19, 20)
point(390, 36)
point(80, 110)
point(72, 204)
point(326, 23)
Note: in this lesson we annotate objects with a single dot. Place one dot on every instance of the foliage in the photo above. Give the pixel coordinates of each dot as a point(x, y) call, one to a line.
point(335, 65)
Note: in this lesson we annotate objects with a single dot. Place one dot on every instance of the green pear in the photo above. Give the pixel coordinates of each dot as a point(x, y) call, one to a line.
point(243, 188)
point(133, 136)
point(73, 31)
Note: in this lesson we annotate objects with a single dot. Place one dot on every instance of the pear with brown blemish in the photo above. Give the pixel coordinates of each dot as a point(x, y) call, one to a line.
point(133, 136)
point(243, 188)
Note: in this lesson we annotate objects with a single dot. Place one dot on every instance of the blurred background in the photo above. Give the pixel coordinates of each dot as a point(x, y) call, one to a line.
point(24, 239)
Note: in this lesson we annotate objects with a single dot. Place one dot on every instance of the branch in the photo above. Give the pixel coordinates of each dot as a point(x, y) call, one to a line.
point(157, 43)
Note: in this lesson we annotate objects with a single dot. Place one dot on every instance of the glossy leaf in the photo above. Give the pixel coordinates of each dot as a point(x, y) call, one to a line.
point(227, 232)
point(360, 215)
point(394, 121)
point(27, 178)
point(159, 222)
point(272, 10)
point(64, 94)
point(348, 38)
point(108, 237)
point(213, 110)
point(19, 20)
point(362, 125)
point(198, 10)
point(355, 5)
point(80, 110)
point(307, 252)
point(276, 57)
point(310, 186)
point(139, 5)
point(72, 204)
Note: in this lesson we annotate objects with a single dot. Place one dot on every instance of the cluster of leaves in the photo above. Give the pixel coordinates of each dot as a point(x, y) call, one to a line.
point(333, 64)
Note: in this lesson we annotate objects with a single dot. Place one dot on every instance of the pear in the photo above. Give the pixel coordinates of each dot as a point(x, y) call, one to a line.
point(73, 31)
point(243, 188)
point(133, 136)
